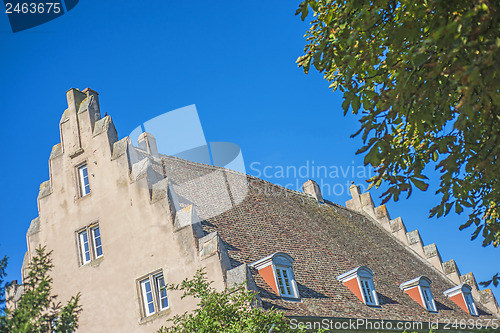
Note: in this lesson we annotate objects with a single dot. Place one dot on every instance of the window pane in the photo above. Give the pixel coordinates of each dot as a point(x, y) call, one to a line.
point(147, 296)
point(367, 292)
point(287, 282)
point(84, 180)
point(280, 281)
point(428, 298)
point(84, 247)
point(284, 282)
point(162, 292)
point(97, 241)
point(470, 304)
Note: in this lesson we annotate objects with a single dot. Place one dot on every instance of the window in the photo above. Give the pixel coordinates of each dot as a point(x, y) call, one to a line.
point(461, 296)
point(83, 178)
point(90, 245)
point(284, 284)
point(277, 272)
point(367, 291)
point(147, 295)
point(360, 282)
point(84, 247)
point(153, 294)
point(428, 299)
point(469, 301)
point(96, 236)
point(420, 290)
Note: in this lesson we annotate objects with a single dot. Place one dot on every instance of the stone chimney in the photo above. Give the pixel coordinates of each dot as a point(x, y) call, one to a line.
point(312, 188)
point(147, 142)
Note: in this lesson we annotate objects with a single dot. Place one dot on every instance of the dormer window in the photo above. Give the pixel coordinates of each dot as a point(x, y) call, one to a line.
point(461, 296)
point(360, 282)
point(277, 272)
point(420, 290)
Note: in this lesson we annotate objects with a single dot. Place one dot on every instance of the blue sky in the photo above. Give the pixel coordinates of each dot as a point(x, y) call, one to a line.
point(234, 60)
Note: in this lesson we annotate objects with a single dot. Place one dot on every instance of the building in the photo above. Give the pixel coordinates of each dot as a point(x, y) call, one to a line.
point(123, 220)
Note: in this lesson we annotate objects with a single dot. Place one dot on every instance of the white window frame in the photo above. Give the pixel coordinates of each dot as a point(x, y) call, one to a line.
point(367, 290)
point(469, 302)
point(283, 262)
point(157, 292)
point(89, 246)
point(146, 302)
point(284, 278)
point(84, 188)
point(84, 246)
point(96, 241)
point(162, 292)
point(428, 298)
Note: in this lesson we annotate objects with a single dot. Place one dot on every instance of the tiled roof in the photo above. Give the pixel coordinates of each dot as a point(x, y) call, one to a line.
point(325, 241)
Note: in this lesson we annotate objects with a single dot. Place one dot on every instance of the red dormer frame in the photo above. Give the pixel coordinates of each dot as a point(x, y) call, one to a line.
point(420, 290)
point(360, 282)
point(461, 295)
point(277, 272)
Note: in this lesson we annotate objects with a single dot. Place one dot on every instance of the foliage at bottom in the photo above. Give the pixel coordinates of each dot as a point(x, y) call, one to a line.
point(229, 311)
point(38, 310)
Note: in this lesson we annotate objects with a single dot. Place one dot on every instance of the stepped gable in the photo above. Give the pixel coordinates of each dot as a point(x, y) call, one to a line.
point(325, 241)
point(171, 217)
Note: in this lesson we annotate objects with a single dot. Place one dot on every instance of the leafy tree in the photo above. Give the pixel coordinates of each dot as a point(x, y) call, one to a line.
point(424, 76)
point(3, 265)
point(37, 310)
point(229, 311)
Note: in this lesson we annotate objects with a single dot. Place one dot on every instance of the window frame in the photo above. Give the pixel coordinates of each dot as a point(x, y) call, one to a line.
point(153, 279)
point(367, 278)
point(430, 304)
point(159, 290)
point(92, 248)
point(368, 291)
point(144, 293)
point(82, 187)
point(469, 303)
point(285, 288)
point(84, 250)
point(284, 262)
point(94, 238)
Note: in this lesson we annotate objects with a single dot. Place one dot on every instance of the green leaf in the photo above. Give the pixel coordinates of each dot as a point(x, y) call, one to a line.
point(476, 232)
point(345, 104)
point(355, 104)
point(372, 157)
point(419, 184)
point(435, 156)
point(428, 90)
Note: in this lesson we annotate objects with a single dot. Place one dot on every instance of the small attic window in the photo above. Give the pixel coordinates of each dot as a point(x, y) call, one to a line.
point(461, 296)
point(360, 282)
point(277, 272)
point(420, 290)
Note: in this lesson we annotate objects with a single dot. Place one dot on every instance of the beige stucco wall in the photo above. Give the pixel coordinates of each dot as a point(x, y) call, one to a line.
point(137, 234)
